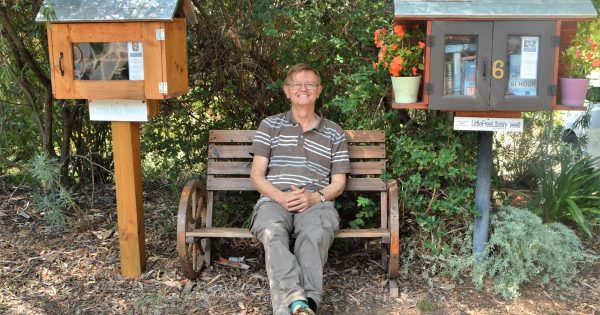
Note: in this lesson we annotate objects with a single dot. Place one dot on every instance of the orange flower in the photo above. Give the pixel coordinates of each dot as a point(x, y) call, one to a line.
point(422, 45)
point(394, 47)
point(596, 63)
point(399, 30)
point(374, 65)
point(414, 70)
point(396, 66)
point(578, 54)
point(382, 52)
point(589, 56)
point(378, 32)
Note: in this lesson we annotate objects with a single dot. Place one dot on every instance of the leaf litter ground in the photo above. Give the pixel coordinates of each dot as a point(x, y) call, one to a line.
point(77, 272)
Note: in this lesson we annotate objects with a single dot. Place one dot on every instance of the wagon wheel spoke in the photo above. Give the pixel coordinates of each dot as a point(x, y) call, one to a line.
point(192, 211)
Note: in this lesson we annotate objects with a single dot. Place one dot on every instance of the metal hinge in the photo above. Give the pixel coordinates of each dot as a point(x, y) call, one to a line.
point(430, 40)
point(160, 34)
point(428, 88)
point(162, 88)
point(555, 41)
point(551, 90)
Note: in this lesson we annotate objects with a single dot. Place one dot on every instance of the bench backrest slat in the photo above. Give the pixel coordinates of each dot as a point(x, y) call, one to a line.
point(243, 152)
point(244, 184)
point(241, 136)
point(243, 168)
point(229, 160)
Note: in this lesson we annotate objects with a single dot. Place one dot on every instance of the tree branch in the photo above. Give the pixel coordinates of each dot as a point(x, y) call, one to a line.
point(12, 35)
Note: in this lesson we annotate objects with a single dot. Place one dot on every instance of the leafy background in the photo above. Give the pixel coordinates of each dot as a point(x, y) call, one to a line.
point(238, 54)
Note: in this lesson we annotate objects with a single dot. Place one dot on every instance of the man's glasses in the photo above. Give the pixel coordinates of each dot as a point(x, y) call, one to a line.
point(298, 85)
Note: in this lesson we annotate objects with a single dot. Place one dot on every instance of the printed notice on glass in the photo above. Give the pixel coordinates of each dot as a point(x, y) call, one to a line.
point(118, 110)
point(529, 57)
point(135, 60)
point(488, 124)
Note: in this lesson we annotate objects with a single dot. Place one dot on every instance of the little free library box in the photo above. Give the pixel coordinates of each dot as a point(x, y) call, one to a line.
point(133, 49)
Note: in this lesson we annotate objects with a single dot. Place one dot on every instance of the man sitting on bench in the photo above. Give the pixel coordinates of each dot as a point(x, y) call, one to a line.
point(299, 166)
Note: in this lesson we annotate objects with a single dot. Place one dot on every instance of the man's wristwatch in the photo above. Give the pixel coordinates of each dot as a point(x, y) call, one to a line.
point(322, 196)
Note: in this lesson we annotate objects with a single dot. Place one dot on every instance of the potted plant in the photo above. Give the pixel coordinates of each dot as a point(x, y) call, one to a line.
point(401, 53)
point(580, 59)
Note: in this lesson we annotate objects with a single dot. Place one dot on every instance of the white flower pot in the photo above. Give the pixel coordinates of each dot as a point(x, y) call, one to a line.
point(406, 89)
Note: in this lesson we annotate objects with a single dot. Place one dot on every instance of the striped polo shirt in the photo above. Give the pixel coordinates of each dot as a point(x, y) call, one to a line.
point(304, 159)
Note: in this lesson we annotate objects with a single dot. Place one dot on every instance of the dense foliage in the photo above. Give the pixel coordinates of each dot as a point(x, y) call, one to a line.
point(238, 54)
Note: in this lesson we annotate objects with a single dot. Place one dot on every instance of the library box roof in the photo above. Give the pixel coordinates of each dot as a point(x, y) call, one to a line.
point(73, 11)
point(494, 9)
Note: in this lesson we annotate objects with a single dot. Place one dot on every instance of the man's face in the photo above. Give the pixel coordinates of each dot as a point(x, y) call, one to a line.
point(303, 89)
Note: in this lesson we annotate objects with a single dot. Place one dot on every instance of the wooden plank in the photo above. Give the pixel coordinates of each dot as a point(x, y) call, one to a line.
point(153, 108)
point(245, 233)
point(420, 105)
point(228, 168)
point(243, 152)
point(384, 209)
point(59, 43)
point(241, 136)
point(153, 60)
point(365, 184)
point(231, 135)
point(229, 151)
point(108, 89)
point(494, 114)
point(345, 233)
point(367, 152)
point(244, 184)
point(130, 211)
point(220, 232)
point(243, 168)
point(369, 136)
point(426, 78)
point(176, 70)
point(106, 32)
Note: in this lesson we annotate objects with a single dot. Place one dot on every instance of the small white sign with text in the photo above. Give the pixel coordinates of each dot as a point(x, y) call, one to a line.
point(118, 110)
point(488, 124)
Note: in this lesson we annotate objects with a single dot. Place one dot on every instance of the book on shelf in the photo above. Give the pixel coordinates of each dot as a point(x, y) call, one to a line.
point(470, 77)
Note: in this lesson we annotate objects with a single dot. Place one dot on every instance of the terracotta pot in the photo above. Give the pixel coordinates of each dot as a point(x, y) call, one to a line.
point(573, 91)
point(406, 89)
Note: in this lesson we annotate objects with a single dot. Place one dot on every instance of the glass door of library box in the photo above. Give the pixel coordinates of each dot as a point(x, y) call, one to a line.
point(500, 65)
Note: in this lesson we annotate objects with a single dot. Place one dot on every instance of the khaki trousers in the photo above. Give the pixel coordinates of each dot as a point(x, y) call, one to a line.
point(297, 275)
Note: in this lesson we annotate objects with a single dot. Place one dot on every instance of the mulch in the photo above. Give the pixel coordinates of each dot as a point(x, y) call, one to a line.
point(43, 271)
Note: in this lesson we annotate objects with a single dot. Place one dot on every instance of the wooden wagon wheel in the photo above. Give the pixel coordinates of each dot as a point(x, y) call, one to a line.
point(192, 215)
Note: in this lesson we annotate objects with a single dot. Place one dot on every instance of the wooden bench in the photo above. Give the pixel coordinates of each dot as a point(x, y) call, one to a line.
point(228, 169)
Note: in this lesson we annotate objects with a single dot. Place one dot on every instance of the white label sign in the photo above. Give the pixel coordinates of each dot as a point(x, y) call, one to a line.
point(135, 54)
point(488, 124)
point(118, 110)
point(529, 57)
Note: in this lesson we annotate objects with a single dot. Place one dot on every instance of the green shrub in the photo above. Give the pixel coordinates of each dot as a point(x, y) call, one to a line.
point(522, 249)
point(572, 195)
point(435, 168)
point(368, 211)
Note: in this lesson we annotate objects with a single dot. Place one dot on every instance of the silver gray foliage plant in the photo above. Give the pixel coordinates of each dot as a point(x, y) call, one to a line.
point(523, 249)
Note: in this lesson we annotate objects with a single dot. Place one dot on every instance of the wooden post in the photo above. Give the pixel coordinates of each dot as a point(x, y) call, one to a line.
point(483, 191)
point(130, 211)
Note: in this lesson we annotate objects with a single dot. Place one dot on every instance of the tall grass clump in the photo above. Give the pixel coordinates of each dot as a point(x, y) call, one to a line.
point(571, 195)
point(51, 198)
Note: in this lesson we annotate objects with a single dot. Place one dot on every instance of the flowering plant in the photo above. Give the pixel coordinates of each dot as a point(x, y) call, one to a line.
point(581, 58)
point(400, 50)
